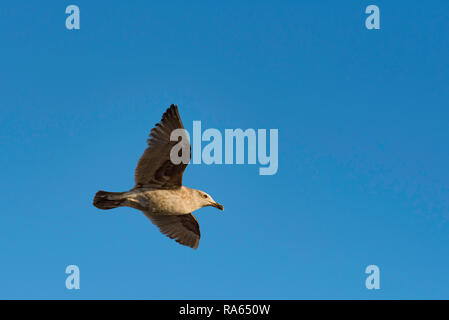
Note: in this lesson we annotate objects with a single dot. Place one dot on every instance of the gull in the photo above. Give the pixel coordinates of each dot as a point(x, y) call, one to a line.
point(158, 190)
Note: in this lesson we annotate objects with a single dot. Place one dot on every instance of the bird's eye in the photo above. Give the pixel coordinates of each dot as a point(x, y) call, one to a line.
point(204, 196)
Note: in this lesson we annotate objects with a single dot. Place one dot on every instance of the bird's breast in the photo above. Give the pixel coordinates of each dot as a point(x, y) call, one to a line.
point(167, 201)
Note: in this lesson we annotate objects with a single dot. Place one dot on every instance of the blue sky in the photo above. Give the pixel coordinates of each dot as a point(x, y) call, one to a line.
point(363, 148)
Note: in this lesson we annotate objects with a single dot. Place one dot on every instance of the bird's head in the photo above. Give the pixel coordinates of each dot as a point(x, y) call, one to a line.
point(207, 201)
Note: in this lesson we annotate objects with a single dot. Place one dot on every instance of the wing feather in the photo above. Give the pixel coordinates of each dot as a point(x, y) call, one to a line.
point(183, 228)
point(155, 168)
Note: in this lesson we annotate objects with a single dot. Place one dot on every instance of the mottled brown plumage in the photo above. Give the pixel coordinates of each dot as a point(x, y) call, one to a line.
point(155, 168)
point(158, 192)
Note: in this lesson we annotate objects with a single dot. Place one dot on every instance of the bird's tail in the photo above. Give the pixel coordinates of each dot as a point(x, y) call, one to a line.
point(109, 200)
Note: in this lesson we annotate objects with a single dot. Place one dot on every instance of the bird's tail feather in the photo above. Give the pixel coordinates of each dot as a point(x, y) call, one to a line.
point(108, 200)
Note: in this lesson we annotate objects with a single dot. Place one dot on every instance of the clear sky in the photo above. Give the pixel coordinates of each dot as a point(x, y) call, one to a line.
point(363, 147)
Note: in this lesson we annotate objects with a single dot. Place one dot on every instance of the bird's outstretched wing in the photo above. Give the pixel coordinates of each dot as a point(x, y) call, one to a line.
point(155, 168)
point(183, 228)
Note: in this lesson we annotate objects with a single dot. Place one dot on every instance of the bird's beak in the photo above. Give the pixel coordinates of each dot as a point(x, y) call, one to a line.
point(217, 205)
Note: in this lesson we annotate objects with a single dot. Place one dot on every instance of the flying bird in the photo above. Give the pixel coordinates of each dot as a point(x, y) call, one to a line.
point(158, 190)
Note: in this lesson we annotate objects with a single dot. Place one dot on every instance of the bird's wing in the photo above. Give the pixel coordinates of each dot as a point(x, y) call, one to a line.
point(183, 228)
point(155, 169)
